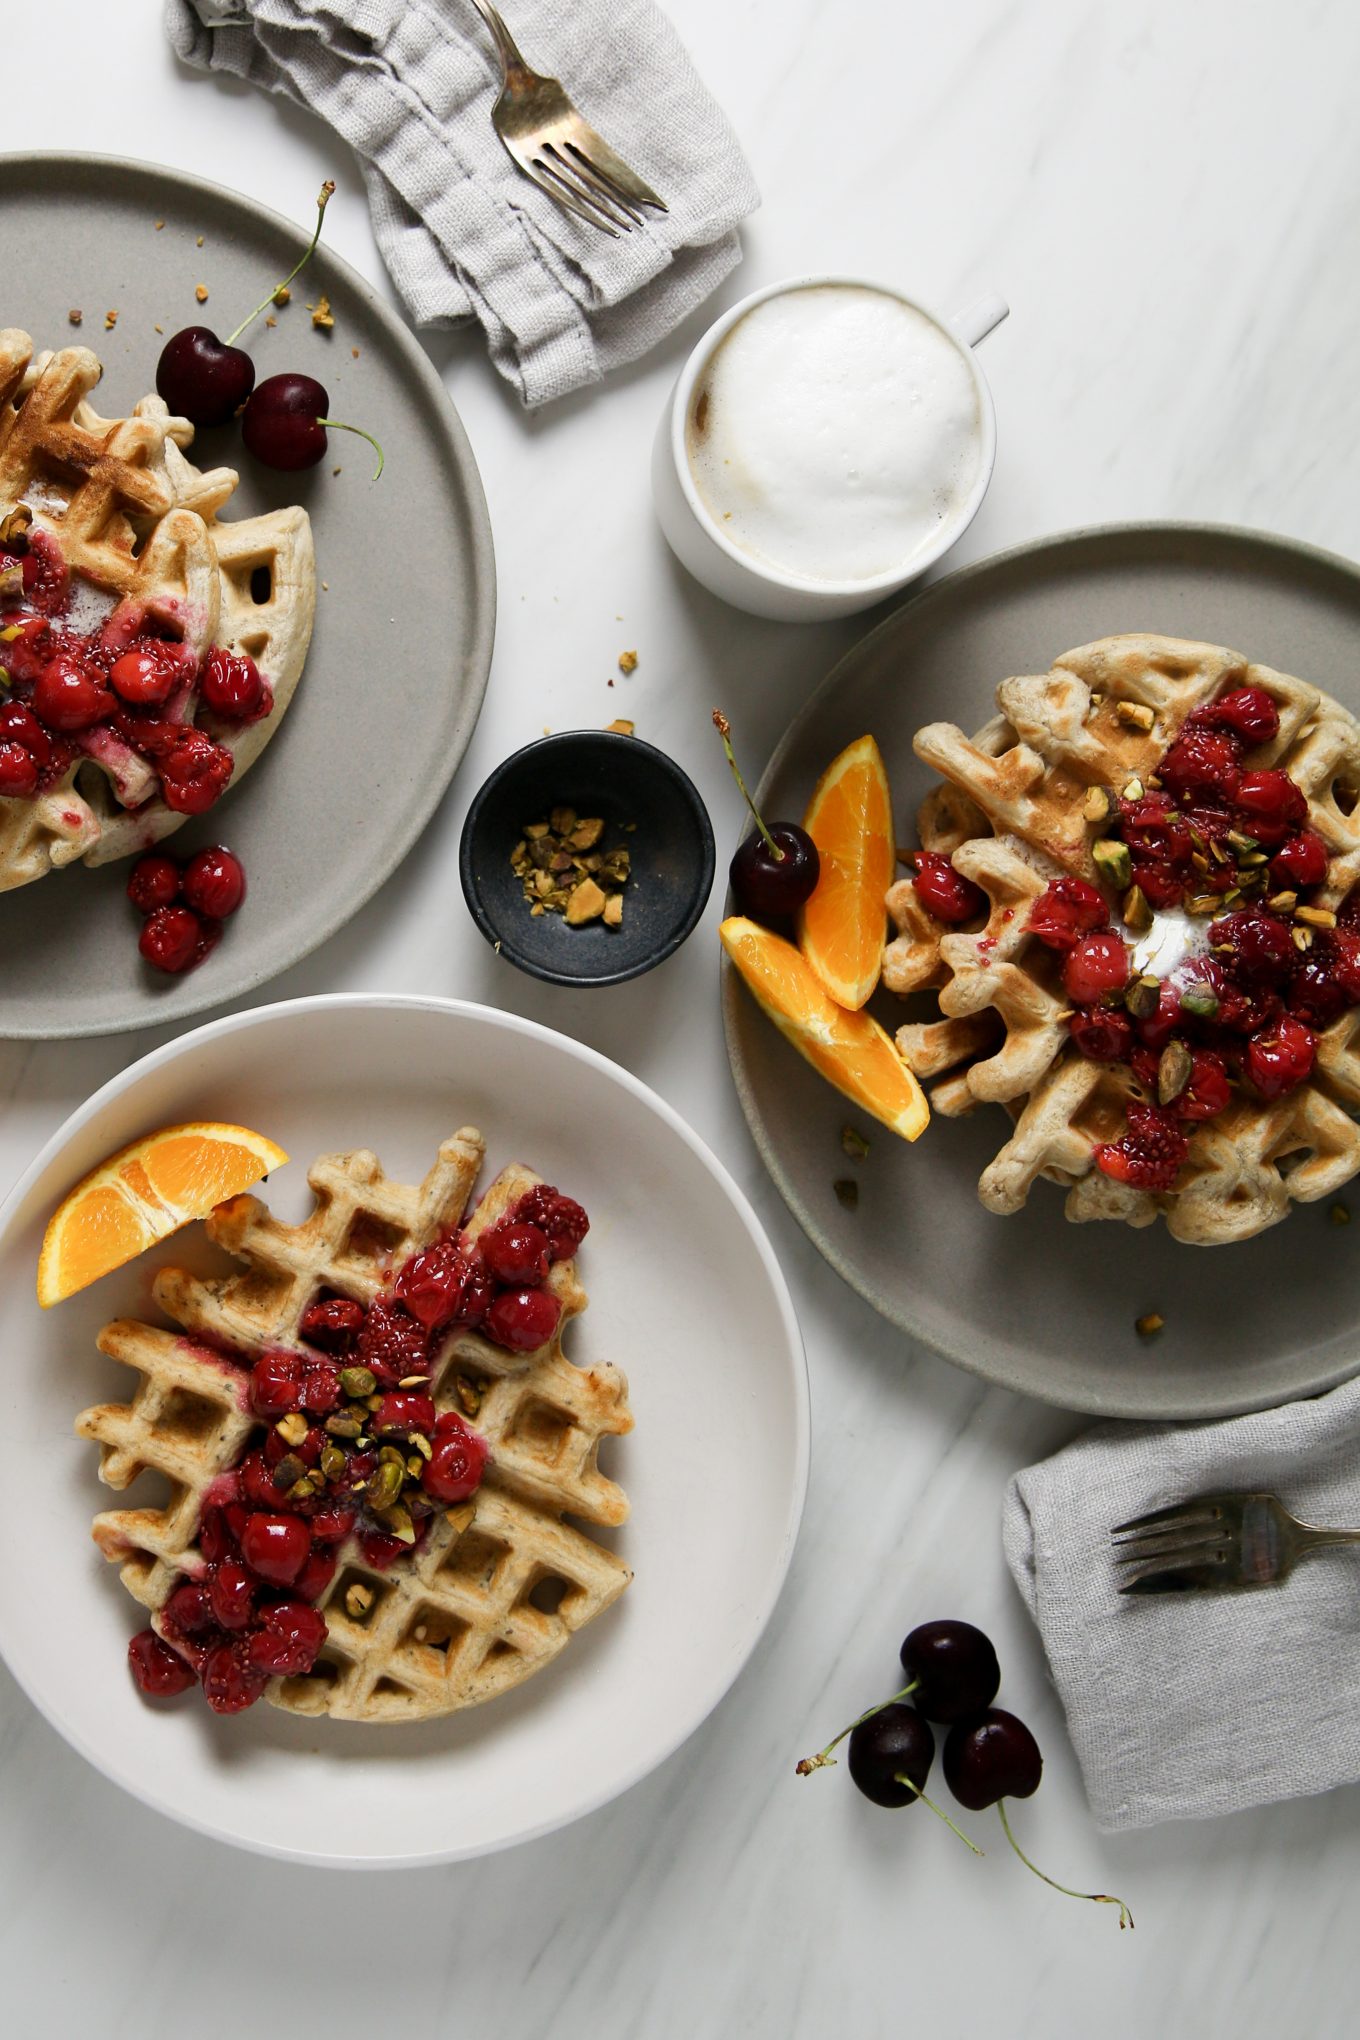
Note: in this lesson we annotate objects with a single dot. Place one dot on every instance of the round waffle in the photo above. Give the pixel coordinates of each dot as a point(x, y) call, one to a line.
point(1011, 817)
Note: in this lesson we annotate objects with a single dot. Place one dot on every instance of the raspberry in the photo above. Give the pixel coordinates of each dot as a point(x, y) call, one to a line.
point(1299, 862)
point(391, 1344)
point(230, 1681)
point(195, 773)
point(1067, 909)
point(561, 1218)
point(944, 892)
point(1095, 965)
point(333, 1324)
point(1150, 1154)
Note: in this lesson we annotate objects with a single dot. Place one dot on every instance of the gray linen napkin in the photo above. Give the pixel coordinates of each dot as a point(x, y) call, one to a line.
point(1180, 1707)
point(410, 84)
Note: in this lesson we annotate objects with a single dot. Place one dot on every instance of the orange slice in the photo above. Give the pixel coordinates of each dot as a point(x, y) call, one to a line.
point(850, 1050)
point(841, 928)
point(144, 1193)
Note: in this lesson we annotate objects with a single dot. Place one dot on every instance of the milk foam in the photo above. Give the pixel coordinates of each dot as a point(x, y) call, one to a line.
point(834, 432)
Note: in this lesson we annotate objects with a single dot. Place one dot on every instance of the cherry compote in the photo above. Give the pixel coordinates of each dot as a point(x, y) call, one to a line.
point(184, 904)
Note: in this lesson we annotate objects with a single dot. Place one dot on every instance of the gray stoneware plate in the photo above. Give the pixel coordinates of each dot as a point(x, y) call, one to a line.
point(1032, 1302)
point(402, 646)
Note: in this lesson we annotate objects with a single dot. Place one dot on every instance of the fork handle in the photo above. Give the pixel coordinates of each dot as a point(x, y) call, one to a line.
point(511, 60)
point(1312, 1537)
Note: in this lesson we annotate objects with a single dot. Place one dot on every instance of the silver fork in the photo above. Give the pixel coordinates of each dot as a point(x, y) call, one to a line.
point(559, 151)
point(1224, 1541)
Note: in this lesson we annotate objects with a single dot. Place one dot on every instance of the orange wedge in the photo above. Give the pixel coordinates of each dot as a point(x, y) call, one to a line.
point(849, 1049)
point(841, 928)
point(144, 1193)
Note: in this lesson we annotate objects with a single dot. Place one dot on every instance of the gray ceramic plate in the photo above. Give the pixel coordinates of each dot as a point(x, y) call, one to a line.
point(404, 624)
point(1033, 1302)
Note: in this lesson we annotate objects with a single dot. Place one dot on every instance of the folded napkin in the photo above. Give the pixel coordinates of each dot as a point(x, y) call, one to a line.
point(410, 84)
point(1182, 1706)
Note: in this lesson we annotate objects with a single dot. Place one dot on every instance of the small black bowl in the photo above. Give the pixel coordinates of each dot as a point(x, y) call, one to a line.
point(621, 779)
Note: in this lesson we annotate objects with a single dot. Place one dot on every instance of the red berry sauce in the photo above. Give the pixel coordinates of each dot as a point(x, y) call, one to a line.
point(350, 1445)
point(184, 904)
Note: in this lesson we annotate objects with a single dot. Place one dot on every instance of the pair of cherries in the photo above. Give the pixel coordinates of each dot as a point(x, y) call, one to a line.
point(953, 1676)
point(208, 381)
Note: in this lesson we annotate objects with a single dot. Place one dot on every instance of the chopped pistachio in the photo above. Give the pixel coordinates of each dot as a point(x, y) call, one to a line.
point(292, 1428)
point(290, 1470)
point(358, 1599)
point(1282, 902)
point(412, 1380)
point(1113, 862)
point(333, 1461)
point(847, 1191)
point(1204, 903)
point(1315, 917)
point(386, 1484)
point(424, 1449)
point(1097, 804)
point(628, 662)
point(12, 583)
point(396, 1521)
point(358, 1381)
point(346, 1425)
point(613, 911)
point(620, 727)
point(1148, 1326)
point(587, 834)
point(1142, 997)
point(1135, 714)
point(1201, 1000)
point(1242, 842)
point(1339, 1214)
point(1136, 911)
point(562, 820)
point(1303, 938)
point(322, 316)
point(854, 1143)
point(1133, 789)
point(1174, 1071)
point(586, 903)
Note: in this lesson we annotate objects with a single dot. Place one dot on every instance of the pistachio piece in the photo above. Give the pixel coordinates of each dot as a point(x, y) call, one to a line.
point(1201, 1000)
point(1097, 804)
point(1315, 917)
point(332, 1461)
point(1204, 903)
point(290, 1470)
point(396, 1521)
point(293, 1428)
point(587, 834)
point(1135, 715)
point(1142, 997)
point(1303, 938)
point(424, 1449)
point(345, 1425)
point(386, 1484)
point(415, 1466)
point(1136, 911)
point(1113, 862)
point(1174, 1072)
point(562, 820)
point(358, 1381)
point(1240, 841)
point(1339, 1214)
point(1148, 1326)
point(302, 1490)
point(412, 1380)
point(853, 1143)
point(1282, 902)
point(12, 583)
point(14, 529)
point(1133, 789)
point(586, 903)
point(536, 831)
point(358, 1599)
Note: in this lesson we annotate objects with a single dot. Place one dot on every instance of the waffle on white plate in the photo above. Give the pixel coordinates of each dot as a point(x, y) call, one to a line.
point(139, 525)
point(497, 1584)
point(1013, 814)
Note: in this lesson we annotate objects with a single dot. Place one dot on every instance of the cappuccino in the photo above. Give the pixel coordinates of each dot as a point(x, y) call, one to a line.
point(835, 433)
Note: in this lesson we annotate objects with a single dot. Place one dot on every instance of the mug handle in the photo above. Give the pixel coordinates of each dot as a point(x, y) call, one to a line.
point(977, 320)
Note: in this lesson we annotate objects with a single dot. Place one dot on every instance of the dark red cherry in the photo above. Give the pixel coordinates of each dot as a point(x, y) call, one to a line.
point(153, 882)
point(954, 1669)
point(202, 378)
point(214, 882)
point(993, 1757)
point(284, 424)
point(768, 886)
point(171, 939)
point(893, 1744)
point(18, 772)
point(157, 1669)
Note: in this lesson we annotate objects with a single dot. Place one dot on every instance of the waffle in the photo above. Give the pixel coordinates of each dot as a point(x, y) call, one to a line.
point(1010, 816)
point(501, 1582)
point(137, 522)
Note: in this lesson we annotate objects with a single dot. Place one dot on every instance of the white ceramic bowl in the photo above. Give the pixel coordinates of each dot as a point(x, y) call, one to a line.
point(685, 1296)
point(739, 577)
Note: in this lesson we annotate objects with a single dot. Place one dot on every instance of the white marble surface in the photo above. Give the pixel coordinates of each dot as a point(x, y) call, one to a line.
point(1167, 194)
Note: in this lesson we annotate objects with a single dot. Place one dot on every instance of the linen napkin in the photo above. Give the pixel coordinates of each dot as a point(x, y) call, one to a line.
point(1184, 1706)
point(410, 85)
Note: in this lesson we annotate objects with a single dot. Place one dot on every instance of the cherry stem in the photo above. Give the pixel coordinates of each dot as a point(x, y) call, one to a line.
point(926, 1800)
point(327, 193)
point(339, 425)
point(1097, 1897)
point(724, 729)
point(811, 1764)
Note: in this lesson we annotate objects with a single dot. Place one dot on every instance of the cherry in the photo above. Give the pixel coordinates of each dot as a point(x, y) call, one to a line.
point(275, 1547)
point(320, 1394)
point(19, 725)
point(1281, 1058)
point(1271, 797)
point(944, 892)
point(157, 1669)
point(561, 1218)
point(1158, 1026)
point(991, 1757)
point(316, 1575)
point(1248, 711)
point(231, 1594)
point(287, 1641)
point(1095, 965)
point(234, 688)
point(953, 1667)
point(1317, 996)
point(1101, 1036)
point(1343, 956)
point(774, 871)
point(189, 1611)
point(148, 673)
point(444, 1286)
point(257, 1481)
point(68, 697)
point(890, 1755)
point(276, 1383)
point(153, 882)
point(1207, 1092)
point(404, 1410)
point(284, 424)
point(18, 772)
point(333, 1324)
point(1067, 909)
point(454, 1469)
point(206, 380)
point(214, 883)
point(523, 1319)
point(1263, 951)
point(1150, 1154)
point(173, 939)
point(230, 1681)
point(1301, 861)
point(1201, 761)
point(194, 772)
point(516, 1254)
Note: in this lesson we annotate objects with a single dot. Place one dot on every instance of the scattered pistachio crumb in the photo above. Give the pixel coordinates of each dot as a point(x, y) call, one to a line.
point(853, 1143)
point(110, 321)
point(159, 329)
point(75, 315)
point(354, 353)
point(201, 293)
point(627, 662)
point(1148, 1327)
point(322, 315)
point(1339, 1214)
point(848, 1192)
point(270, 320)
point(336, 470)
point(358, 1599)
point(159, 225)
point(621, 727)
point(1136, 715)
point(327, 586)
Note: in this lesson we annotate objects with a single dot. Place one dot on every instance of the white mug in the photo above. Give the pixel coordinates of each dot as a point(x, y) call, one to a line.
point(758, 585)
